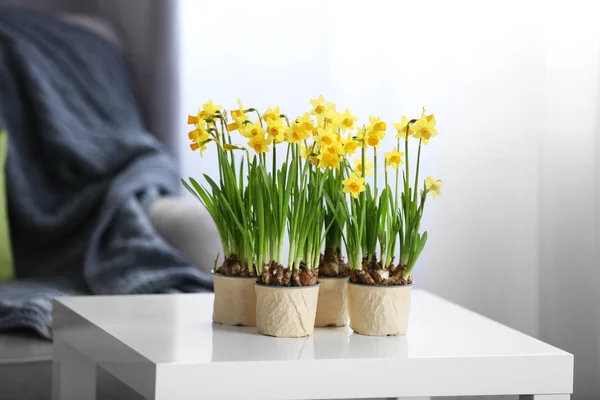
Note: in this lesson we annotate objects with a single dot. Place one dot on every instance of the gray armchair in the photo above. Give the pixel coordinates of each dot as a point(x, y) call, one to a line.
point(26, 360)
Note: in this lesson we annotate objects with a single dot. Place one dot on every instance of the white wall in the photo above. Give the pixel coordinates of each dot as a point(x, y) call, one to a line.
point(516, 91)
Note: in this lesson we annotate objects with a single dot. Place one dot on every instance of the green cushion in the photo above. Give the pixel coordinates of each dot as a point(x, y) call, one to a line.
point(7, 271)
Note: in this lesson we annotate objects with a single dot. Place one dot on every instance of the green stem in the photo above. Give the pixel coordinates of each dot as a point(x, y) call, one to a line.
point(375, 170)
point(417, 172)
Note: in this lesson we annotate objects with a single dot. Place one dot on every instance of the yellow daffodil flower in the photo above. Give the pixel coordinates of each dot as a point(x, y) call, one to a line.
point(210, 108)
point(374, 137)
point(358, 167)
point(376, 124)
point(298, 133)
point(259, 144)
point(276, 130)
point(401, 128)
point(196, 146)
point(347, 120)
point(321, 107)
point(350, 145)
point(424, 128)
point(308, 123)
point(272, 114)
point(354, 185)
point(433, 186)
point(252, 130)
point(198, 135)
point(326, 137)
point(394, 158)
point(328, 160)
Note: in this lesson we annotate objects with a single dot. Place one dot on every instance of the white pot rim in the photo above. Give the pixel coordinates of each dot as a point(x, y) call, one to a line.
point(286, 287)
point(381, 286)
point(231, 276)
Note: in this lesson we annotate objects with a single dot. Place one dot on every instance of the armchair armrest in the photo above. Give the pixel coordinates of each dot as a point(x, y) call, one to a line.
point(187, 226)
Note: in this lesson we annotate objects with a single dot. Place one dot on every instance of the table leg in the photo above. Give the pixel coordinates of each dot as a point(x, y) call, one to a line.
point(73, 375)
point(545, 397)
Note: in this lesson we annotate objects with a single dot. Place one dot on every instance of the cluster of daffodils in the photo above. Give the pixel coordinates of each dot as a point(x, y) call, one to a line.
point(323, 194)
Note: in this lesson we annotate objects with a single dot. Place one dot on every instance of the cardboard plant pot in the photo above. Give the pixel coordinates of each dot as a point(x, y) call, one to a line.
point(379, 310)
point(235, 301)
point(284, 311)
point(332, 306)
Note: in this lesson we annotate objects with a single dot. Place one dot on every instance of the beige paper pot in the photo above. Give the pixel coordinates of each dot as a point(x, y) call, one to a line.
point(379, 310)
point(235, 301)
point(286, 311)
point(332, 307)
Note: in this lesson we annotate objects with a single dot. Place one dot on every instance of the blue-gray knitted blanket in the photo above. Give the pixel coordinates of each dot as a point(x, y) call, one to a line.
point(81, 172)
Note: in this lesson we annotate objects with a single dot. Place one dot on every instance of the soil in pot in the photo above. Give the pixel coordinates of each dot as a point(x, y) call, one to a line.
point(235, 299)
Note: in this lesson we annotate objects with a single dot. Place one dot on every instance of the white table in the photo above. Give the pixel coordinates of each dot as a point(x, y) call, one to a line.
point(166, 347)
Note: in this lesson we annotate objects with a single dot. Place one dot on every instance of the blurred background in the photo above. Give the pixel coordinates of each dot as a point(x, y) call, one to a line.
point(514, 86)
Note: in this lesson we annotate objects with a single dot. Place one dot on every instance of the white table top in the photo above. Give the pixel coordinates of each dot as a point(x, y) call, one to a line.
point(448, 351)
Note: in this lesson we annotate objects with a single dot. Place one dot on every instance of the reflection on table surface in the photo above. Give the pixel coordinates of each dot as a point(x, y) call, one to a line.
point(234, 343)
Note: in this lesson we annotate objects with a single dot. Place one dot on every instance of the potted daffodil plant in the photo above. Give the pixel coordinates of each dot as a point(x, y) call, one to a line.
point(316, 200)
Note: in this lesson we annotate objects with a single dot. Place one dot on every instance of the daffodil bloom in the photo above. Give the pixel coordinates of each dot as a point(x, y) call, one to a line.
point(321, 107)
point(347, 120)
point(401, 128)
point(259, 144)
point(424, 128)
point(354, 185)
point(329, 160)
point(196, 146)
point(308, 123)
point(198, 135)
point(192, 119)
point(433, 186)
point(394, 158)
point(276, 130)
point(238, 115)
point(336, 148)
point(358, 167)
point(376, 124)
point(272, 114)
point(326, 137)
point(210, 109)
point(350, 145)
point(298, 133)
point(374, 137)
point(252, 130)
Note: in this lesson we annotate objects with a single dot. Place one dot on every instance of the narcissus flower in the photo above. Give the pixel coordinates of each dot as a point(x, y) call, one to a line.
point(272, 114)
point(252, 130)
point(198, 134)
point(210, 109)
point(196, 146)
point(433, 186)
point(346, 120)
point(401, 128)
point(276, 130)
point(354, 185)
point(424, 128)
point(321, 107)
point(298, 133)
point(259, 144)
point(328, 160)
point(326, 137)
point(308, 123)
point(394, 158)
point(373, 138)
point(376, 124)
point(350, 145)
point(358, 167)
